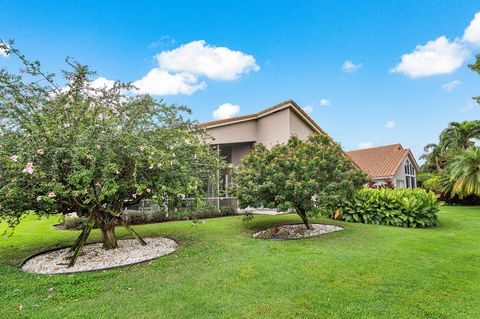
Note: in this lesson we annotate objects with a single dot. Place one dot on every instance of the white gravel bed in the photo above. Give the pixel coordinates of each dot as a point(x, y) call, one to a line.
point(296, 231)
point(94, 257)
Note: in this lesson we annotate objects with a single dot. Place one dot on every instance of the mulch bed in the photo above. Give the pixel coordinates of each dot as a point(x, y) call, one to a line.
point(296, 231)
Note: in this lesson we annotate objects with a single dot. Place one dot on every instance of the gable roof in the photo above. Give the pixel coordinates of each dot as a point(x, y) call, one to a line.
point(382, 161)
point(278, 107)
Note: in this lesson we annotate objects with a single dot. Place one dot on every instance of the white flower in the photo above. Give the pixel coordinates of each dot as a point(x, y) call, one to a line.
point(39, 198)
point(52, 195)
point(149, 190)
point(28, 168)
point(98, 146)
point(14, 158)
point(40, 151)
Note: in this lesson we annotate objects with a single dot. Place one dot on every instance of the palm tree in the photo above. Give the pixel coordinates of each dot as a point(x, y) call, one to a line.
point(464, 173)
point(459, 136)
point(434, 160)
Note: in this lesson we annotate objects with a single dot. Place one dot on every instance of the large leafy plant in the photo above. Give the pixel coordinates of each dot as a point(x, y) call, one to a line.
point(311, 176)
point(77, 147)
point(392, 207)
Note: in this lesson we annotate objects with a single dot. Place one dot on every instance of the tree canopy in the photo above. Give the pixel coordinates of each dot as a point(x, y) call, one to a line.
point(93, 150)
point(312, 176)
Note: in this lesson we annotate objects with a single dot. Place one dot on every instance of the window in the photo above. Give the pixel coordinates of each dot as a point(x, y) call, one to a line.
point(408, 181)
point(399, 184)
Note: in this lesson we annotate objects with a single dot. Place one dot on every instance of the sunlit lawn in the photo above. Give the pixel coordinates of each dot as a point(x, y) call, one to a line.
point(219, 271)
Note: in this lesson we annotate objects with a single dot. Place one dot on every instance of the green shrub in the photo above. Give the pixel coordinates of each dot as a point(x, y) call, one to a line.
point(74, 223)
point(392, 207)
point(228, 210)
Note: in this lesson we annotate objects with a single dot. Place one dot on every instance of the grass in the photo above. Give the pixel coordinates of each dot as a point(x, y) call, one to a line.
point(219, 271)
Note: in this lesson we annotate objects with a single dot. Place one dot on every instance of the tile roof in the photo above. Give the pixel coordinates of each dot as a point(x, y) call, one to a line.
point(381, 161)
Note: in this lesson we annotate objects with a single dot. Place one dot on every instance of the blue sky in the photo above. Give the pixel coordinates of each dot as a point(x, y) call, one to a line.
point(255, 54)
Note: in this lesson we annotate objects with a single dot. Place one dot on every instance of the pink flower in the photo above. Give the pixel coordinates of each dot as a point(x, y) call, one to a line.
point(52, 195)
point(65, 161)
point(39, 198)
point(91, 106)
point(40, 151)
point(28, 168)
point(14, 158)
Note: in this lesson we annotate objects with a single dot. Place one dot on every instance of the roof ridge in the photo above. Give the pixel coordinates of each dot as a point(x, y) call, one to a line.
point(375, 147)
point(247, 116)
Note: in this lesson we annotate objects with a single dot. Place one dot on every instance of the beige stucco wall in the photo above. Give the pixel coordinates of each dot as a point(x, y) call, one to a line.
point(400, 174)
point(234, 133)
point(298, 126)
point(274, 128)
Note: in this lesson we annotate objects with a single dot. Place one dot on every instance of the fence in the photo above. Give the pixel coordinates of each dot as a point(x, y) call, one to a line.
point(149, 206)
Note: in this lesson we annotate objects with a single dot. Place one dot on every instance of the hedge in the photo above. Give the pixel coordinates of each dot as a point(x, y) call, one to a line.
point(392, 207)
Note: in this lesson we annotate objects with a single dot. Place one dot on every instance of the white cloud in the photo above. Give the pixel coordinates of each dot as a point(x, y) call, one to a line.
point(180, 70)
point(161, 82)
point(225, 111)
point(448, 87)
point(439, 56)
point(350, 67)
point(390, 124)
point(325, 102)
point(213, 62)
point(308, 109)
point(472, 32)
point(101, 83)
point(365, 145)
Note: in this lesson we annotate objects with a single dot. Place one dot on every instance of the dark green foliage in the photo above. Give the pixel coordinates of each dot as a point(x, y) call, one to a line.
point(139, 218)
point(313, 177)
point(393, 207)
point(76, 223)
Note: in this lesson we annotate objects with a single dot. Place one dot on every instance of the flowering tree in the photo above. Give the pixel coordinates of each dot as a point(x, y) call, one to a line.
point(313, 177)
point(91, 150)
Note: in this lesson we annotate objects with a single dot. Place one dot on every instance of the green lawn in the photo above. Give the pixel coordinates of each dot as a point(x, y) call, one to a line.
point(219, 271)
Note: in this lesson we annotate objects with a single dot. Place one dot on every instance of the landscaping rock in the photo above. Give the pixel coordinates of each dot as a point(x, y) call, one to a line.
point(296, 231)
point(94, 257)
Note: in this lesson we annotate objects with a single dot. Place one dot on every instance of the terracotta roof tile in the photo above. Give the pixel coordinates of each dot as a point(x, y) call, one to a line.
point(382, 161)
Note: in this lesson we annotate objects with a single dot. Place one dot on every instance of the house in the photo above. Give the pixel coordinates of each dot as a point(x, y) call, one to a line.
point(388, 162)
point(235, 137)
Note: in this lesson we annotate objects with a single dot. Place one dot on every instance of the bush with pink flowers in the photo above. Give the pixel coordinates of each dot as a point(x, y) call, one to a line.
point(89, 148)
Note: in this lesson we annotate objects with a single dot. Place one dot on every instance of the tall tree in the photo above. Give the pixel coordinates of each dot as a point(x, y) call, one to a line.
point(464, 173)
point(458, 137)
point(77, 147)
point(434, 159)
point(312, 176)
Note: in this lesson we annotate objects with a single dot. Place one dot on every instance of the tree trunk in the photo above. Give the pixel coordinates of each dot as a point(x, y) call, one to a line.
point(108, 235)
point(303, 215)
